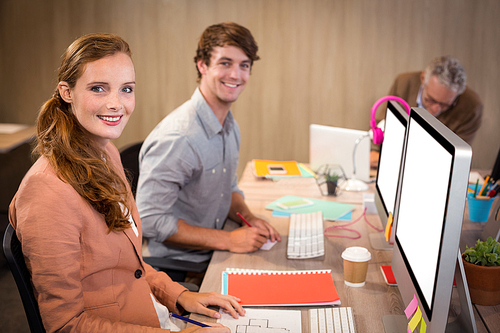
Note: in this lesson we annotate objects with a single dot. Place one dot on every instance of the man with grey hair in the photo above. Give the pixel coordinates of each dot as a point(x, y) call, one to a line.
point(441, 89)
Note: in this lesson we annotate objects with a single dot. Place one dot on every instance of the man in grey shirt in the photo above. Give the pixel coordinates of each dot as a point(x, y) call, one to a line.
point(188, 185)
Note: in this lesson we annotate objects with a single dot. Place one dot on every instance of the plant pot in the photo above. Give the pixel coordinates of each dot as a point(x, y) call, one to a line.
point(331, 187)
point(483, 282)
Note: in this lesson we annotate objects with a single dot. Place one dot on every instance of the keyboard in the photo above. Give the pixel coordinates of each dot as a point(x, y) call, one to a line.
point(305, 236)
point(331, 320)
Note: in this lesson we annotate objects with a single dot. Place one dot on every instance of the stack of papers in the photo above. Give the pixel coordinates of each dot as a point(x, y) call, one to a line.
point(6, 128)
point(290, 169)
point(333, 211)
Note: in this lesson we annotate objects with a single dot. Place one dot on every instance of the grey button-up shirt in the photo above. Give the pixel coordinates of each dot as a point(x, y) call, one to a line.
point(187, 171)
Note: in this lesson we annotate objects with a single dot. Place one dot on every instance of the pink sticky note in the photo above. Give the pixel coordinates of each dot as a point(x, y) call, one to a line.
point(412, 307)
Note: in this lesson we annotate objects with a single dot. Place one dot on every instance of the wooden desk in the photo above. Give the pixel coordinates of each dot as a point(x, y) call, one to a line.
point(15, 161)
point(370, 303)
point(9, 141)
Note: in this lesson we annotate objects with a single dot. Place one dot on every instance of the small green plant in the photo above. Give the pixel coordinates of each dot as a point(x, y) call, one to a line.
point(332, 177)
point(484, 253)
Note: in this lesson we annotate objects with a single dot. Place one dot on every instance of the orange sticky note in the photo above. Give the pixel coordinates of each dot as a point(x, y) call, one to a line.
point(388, 227)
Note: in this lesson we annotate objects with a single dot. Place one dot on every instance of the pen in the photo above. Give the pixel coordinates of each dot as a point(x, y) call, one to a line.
point(493, 191)
point(475, 189)
point(241, 217)
point(188, 320)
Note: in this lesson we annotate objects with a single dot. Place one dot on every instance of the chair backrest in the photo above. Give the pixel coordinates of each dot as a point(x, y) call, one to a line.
point(130, 161)
point(15, 259)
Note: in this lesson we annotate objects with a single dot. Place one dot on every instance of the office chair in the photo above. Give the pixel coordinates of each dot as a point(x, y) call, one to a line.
point(130, 161)
point(15, 259)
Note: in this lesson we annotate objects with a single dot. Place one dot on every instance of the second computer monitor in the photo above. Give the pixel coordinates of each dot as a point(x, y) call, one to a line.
point(428, 215)
point(391, 152)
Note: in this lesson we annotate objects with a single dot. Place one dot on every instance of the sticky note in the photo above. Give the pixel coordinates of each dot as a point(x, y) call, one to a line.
point(412, 307)
point(415, 320)
point(388, 227)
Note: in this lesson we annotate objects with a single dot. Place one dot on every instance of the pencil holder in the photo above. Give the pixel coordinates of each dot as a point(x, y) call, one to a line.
point(479, 207)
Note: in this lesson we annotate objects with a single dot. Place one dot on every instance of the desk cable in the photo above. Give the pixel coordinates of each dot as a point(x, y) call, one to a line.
point(344, 227)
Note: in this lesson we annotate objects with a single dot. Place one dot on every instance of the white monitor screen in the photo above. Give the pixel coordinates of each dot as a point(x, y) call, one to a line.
point(390, 160)
point(422, 207)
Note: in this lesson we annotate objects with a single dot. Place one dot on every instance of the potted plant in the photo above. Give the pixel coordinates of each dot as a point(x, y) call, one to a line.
point(331, 182)
point(482, 268)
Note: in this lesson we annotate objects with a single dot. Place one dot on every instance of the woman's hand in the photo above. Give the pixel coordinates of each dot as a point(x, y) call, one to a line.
point(199, 302)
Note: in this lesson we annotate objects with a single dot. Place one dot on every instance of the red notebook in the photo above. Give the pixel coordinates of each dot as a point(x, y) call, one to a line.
point(277, 288)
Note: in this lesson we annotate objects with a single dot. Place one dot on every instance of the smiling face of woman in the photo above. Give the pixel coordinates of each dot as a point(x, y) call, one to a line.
point(103, 98)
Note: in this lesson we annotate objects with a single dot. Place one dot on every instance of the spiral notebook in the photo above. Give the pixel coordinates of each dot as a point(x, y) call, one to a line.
point(280, 288)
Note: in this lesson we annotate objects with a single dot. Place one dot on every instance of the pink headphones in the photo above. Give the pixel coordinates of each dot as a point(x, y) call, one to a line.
point(377, 133)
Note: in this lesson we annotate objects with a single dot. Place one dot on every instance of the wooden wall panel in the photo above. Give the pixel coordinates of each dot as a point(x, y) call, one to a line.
point(323, 61)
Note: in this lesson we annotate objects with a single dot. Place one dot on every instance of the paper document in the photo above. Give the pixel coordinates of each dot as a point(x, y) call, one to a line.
point(11, 128)
point(331, 210)
point(268, 245)
point(264, 321)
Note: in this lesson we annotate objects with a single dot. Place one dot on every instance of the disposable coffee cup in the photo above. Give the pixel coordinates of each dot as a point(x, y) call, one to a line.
point(355, 265)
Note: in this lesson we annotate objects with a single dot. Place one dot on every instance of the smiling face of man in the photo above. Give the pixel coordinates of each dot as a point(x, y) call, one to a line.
point(225, 78)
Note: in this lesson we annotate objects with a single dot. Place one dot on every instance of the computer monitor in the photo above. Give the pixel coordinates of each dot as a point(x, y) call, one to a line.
point(391, 153)
point(428, 213)
point(335, 145)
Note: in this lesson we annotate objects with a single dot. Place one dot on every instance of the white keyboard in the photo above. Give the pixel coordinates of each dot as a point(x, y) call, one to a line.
point(331, 320)
point(305, 236)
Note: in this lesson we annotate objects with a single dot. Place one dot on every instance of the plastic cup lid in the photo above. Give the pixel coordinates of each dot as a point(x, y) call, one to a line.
point(356, 254)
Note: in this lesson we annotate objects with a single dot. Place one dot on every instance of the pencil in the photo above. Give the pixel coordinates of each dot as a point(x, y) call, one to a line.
point(241, 217)
point(475, 189)
point(188, 320)
point(486, 187)
point(484, 184)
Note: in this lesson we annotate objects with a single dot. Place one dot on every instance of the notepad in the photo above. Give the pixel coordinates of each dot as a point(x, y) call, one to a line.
point(280, 288)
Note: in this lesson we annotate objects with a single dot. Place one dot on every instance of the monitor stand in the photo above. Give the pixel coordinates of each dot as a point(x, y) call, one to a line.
point(378, 242)
point(463, 322)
